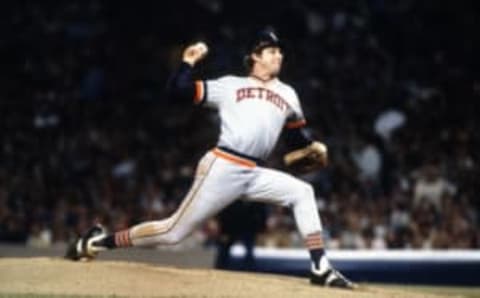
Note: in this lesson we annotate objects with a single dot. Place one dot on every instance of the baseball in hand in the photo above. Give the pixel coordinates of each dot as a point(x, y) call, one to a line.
point(202, 48)
point(195, 52)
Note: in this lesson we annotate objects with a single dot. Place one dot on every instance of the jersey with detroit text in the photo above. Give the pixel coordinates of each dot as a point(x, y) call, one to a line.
point(253, 113)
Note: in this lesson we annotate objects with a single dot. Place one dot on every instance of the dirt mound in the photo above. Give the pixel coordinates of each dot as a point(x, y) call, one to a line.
point(60, 277)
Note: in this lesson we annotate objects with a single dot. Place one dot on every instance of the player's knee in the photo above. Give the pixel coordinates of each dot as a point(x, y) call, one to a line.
point(308, 190)
point(304, 191)
point(173, 238)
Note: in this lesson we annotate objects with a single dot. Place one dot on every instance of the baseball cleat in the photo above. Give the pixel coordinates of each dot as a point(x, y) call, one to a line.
point(332, 278)
point(82, 249)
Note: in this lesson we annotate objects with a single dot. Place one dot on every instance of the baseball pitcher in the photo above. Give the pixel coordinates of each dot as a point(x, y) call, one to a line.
point(253, 110)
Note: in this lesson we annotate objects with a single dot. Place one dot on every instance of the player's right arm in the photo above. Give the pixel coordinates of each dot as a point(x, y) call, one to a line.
point(181, 84)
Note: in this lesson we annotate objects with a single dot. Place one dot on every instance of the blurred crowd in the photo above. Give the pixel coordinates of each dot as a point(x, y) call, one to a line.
point(88, 135)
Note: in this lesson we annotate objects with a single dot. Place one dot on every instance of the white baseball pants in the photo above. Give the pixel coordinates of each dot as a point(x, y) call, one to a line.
point(220, 179)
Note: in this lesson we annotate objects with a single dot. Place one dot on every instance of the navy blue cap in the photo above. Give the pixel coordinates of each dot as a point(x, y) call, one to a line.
point(263, 39)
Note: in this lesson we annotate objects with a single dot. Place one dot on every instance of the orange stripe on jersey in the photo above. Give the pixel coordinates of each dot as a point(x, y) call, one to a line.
point(234, 159)
point(296, 124)
point(199, 92)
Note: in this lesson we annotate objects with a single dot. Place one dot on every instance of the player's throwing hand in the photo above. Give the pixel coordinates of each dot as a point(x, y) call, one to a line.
point(194, 53)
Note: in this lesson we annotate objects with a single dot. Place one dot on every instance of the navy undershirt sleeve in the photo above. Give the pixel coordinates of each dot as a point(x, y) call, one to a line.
point(180, 84)
point(297, 138)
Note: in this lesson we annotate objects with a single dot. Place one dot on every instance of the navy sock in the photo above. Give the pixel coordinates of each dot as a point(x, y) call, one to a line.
point(315, 255)
point(108, 242)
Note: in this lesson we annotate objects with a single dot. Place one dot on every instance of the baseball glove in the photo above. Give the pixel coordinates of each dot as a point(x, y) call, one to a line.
point(308, 159)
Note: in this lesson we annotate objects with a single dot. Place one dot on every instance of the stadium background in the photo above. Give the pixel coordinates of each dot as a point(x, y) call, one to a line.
point(392, 87)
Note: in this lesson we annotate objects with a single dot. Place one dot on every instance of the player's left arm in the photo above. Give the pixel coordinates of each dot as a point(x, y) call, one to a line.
point(296, 135)
point(305, 154)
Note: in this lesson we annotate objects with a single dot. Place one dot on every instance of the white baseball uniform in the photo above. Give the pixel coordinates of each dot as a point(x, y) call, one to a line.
point(253, 114)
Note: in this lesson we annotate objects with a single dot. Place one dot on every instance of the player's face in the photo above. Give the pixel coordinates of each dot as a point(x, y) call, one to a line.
point(270, 60)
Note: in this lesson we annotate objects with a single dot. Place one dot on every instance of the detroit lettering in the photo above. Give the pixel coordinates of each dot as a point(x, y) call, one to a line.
point(264, 94)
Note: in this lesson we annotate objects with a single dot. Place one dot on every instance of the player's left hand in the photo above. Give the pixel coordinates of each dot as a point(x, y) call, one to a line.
point(308, 159)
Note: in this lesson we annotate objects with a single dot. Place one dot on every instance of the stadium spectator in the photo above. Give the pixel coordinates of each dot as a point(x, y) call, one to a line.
point(86, 135)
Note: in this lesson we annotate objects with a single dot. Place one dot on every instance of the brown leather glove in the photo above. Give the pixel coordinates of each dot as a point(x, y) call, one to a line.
point(308, 159)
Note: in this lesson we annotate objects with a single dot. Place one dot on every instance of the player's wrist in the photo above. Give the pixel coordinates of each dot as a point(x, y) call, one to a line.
point(188, 61)
point(186, 64)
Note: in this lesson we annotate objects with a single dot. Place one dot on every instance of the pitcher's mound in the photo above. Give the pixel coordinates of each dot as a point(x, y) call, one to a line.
point(101, 278)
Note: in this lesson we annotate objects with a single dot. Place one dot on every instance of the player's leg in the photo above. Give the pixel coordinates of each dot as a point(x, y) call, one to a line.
point(280, 188)
point(215, 186)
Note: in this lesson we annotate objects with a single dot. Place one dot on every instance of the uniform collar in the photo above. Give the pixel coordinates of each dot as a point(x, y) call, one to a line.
point(262, 81)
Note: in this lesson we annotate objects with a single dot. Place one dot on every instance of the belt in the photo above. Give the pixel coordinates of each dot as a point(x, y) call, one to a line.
point(237, 157)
